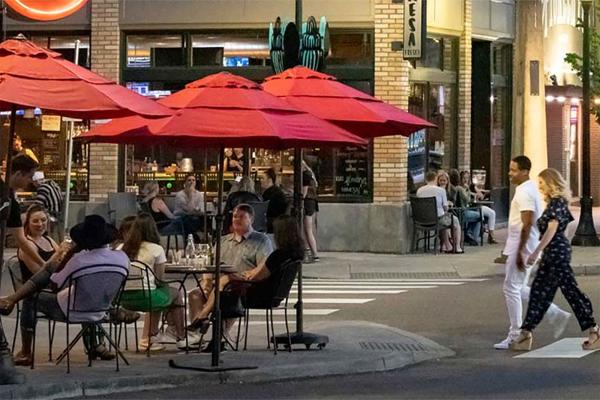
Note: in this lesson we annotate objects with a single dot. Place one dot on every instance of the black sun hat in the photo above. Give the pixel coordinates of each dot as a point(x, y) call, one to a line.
point(93, 232)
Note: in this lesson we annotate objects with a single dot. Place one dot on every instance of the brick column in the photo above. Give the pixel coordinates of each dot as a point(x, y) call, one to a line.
point(390, 156)
point(464, 90)
point(104, 46)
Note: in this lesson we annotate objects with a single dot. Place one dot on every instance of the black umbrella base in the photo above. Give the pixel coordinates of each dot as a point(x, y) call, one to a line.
point(306, 338)
point(198, 368)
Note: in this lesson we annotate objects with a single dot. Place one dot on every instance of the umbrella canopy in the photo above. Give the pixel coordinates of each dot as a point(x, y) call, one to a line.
point(31, 76)
point(225, 110)
point(324, 96)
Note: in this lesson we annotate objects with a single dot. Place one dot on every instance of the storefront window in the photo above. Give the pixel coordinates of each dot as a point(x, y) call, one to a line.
point(433, 148)
point(65, 45)
point(350, 48)
point(231, 49)
point(439, 53)
point(145, 51)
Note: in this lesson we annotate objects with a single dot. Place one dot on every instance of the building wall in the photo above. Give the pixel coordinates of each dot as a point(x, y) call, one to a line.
point(105, 50)
point(464, 89)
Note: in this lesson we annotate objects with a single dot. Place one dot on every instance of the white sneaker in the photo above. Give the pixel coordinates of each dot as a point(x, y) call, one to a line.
point(560, 321)
point(505, 344)
point(193, 341)
point(154, 346)
point(166, 337)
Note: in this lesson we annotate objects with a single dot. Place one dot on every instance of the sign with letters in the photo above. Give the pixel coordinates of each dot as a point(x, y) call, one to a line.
point(45, 10)
point(415, 28)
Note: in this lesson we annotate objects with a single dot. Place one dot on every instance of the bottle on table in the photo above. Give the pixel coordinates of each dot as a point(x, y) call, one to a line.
point(190, 251)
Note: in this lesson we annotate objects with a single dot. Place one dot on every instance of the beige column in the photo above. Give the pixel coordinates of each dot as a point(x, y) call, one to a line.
point(105, 45)
point(464, 89)
point(529, 107)
point(390, 156)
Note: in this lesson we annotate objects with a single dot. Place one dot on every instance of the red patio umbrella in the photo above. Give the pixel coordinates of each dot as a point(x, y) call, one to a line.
point(324, 96)
point(225, 110)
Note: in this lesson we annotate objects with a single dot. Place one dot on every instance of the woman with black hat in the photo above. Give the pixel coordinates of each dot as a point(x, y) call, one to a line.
point(92, 240)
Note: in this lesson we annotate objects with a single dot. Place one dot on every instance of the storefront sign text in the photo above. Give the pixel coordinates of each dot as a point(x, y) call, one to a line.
point(414, 28)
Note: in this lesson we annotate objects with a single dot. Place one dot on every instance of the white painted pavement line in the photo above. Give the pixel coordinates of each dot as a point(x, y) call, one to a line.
point(332, 300)
point(368, 287)
point(312, 291)
point(291, 311)
point(564, 348)
point(396, 280)
point(346, 283)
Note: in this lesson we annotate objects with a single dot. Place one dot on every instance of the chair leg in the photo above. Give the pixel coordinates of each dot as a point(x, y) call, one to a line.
point(268, 330)
point(137, 347)
point(125, 334)
point(273, 333)
point(287, 327)
point(149, 332)
point(70, 345)
point(14, 341)
point(246, 322)
point(68, 351)
point(168, 242)
point(33, 343)
point(51, 340)
point(117, 350)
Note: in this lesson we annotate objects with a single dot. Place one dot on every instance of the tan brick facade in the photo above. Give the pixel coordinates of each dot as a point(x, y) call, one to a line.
point(105, 44)
point(390, 157)
point(464, 90)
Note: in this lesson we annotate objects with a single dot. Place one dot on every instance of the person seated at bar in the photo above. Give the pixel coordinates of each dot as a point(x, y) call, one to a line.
point(290, 247)
point(48, 194)
point(189, 206)
point(272, 192)
point(234, 160)
point(471, 216)
point(478, 194)
point(244, 248)
point(91, 239)
point(19, 149)
point(35, 227)
point(142, 243)
point(155, 206)
point(430, 189)
point(242, 193)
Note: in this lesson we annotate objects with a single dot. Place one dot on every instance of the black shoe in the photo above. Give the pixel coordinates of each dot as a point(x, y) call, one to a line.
point(209, 347)
point(470, 241)
point(102, 353)
point(123, 315)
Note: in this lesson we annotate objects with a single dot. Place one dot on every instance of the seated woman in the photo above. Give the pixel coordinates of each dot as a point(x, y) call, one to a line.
point(35, 227)
point(290, 247)
point(142, 243)
point(489, 215)
point(90, 239)
point(471, 217)
point(156, 206)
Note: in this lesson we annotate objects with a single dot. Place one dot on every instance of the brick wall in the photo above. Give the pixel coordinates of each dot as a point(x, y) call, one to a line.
point(595, 160)
point(105, 40)
point(464, 90)
point(390, 158)
point(555, 114)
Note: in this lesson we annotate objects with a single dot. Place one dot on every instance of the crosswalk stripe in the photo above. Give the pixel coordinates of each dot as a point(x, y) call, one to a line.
point(291, 311)
point(312, 291)
point(368, 287)
point(318, 300)
point(564, 348)
point(464, 280)
point(350, 283)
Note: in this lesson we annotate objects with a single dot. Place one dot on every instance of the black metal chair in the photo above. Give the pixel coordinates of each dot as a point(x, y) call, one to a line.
point(426, 220)
point(121, 205)
point(260, 215)
point(92, 290)
point(275, 290)
point(171, 228)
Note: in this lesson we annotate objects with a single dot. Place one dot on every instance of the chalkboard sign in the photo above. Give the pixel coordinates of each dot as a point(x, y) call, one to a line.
point(51, 150)
point(352, 173)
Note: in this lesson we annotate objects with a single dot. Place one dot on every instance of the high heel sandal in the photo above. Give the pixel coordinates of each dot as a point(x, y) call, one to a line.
point(594, 344)
point(199, 324)
point(523, 342)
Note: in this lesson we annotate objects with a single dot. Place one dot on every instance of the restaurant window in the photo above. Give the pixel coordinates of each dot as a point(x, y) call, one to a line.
point(350, 48)
point(432, 148)
point(46, 136)
point(145, 51)
point(65, 45)
point(230, 49)
point(439, 53)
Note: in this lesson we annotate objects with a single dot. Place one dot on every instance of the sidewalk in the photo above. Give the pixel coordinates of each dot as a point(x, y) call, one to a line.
point(354, 347)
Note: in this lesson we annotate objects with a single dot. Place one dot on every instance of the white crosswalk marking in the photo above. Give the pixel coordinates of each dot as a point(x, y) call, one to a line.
point(330, 300)
point(311, 291)
point(564, 348)
point(378, 287)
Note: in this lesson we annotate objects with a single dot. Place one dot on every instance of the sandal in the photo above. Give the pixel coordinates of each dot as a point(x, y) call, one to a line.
point(199, 324)
point(23, 360)
point(522, 343)
point(594, 344)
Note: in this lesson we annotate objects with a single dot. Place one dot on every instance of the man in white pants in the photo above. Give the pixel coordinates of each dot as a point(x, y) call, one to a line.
point(523, 237)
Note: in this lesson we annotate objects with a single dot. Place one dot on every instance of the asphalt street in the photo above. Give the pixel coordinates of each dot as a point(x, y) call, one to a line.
point(469, 318)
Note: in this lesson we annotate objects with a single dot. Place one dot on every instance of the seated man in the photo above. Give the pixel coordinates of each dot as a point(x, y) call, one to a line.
point(431, 189)
point(243, 248)
point(189, 206)
point(91, 239)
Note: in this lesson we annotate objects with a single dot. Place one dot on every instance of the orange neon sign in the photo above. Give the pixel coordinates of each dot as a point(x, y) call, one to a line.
point(45, 10)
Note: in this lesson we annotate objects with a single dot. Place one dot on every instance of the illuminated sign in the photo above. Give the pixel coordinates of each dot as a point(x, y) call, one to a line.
point(44, 10)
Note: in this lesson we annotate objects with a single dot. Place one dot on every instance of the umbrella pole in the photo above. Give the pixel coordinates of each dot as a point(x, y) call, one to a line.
point(8, 373)
point(300, 337)
point(204, 184)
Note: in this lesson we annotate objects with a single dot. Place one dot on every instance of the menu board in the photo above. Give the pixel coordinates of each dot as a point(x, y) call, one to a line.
point(51, 149)
point(352, 172)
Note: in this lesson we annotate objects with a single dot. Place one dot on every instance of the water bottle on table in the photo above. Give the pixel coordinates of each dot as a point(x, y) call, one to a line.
point(190, 251)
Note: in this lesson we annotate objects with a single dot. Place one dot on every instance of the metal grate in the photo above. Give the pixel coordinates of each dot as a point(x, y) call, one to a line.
point(403, 347)
point(404, 275)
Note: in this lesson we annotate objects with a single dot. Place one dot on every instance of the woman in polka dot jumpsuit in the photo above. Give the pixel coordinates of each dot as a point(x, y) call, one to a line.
point(555, 266)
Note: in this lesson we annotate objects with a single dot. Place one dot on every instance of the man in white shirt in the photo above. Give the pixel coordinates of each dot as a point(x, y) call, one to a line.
point(523, 237)
point(431, 189)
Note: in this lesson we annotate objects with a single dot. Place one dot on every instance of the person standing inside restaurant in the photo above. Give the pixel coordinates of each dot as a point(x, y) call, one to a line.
point(311, 208)
point(189, 206)
point(48, 194)
point(523, 238)
point(234, 160)
point(19, 149)
point(272, 192)
point(555, 270)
